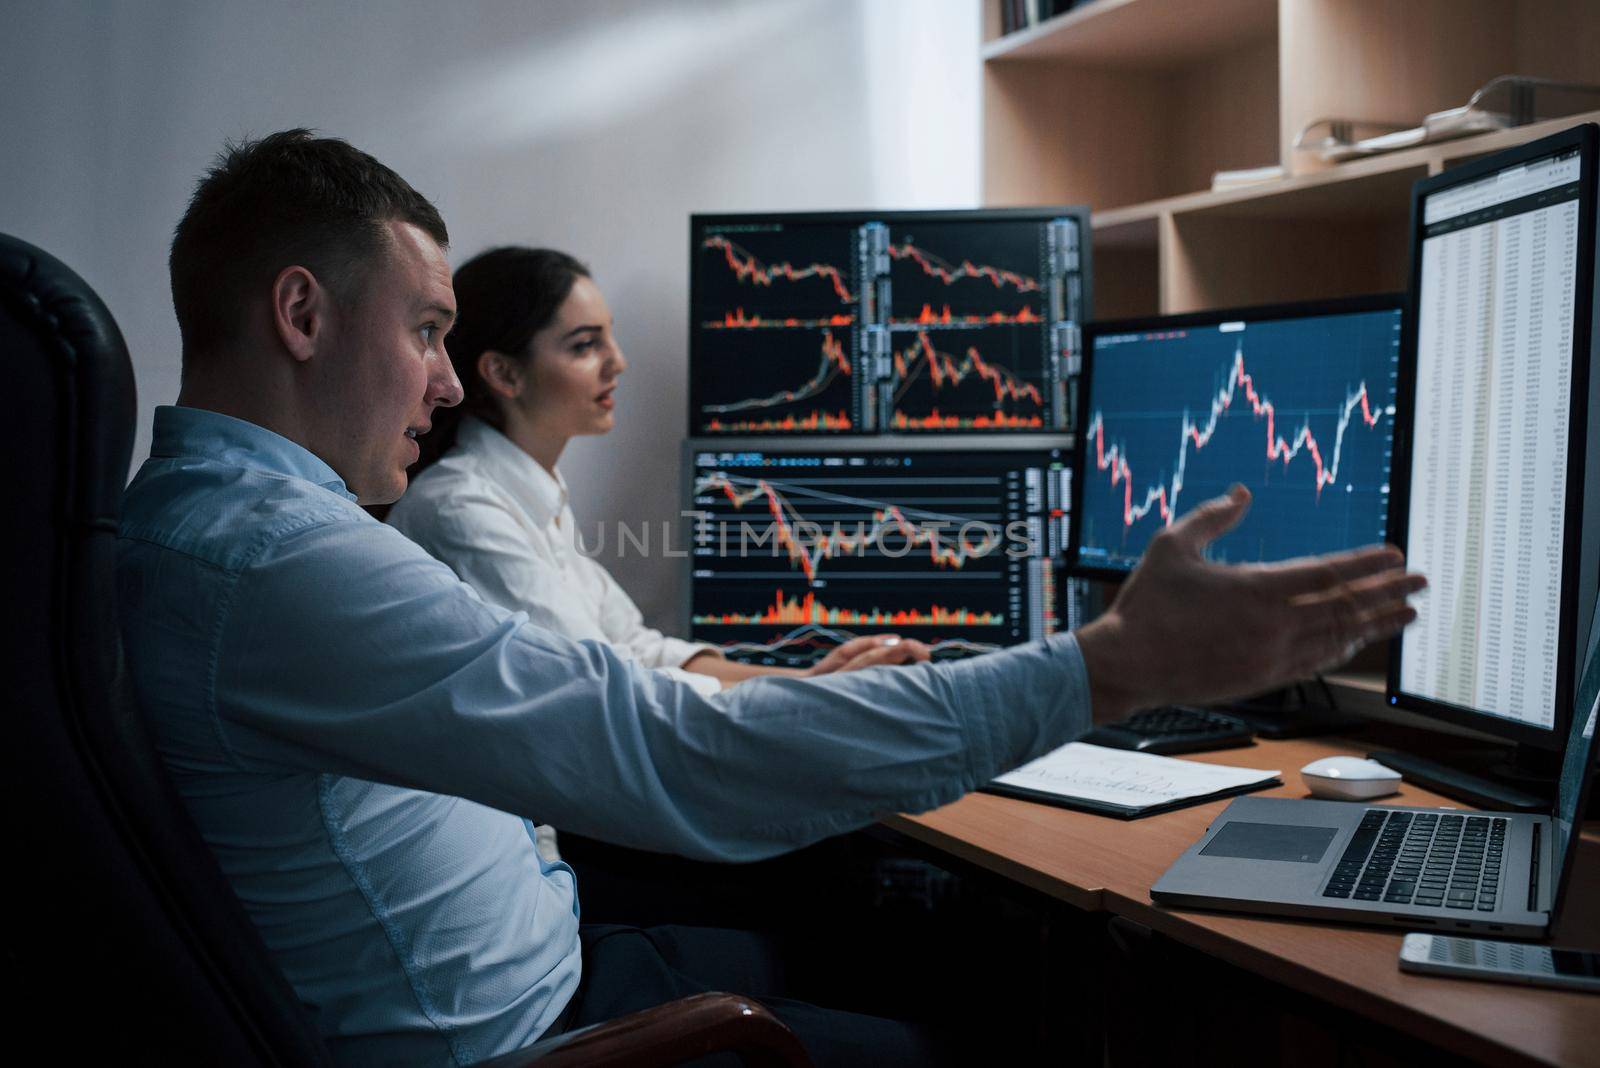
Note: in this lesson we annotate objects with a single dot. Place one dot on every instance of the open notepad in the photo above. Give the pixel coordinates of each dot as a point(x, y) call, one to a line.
point(1115, 782)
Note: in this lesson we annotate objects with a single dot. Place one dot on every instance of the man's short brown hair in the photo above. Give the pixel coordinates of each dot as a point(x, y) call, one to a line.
point(288, 199)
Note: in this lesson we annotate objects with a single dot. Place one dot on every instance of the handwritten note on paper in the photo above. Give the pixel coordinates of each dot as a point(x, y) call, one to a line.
point(1094, 774)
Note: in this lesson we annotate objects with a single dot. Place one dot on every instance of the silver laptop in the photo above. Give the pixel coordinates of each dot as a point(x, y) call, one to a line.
point(1410, 867)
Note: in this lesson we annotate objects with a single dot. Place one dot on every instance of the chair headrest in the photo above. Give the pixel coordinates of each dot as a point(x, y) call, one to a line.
point(73, 332)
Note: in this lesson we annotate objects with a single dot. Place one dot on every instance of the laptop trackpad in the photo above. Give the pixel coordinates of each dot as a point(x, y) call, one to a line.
point(1270, 841)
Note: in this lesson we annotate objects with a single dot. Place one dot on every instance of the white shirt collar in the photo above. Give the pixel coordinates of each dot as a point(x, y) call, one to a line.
point(539, 493)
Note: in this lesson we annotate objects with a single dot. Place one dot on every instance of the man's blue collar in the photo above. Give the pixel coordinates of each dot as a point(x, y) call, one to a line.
point(180, 432)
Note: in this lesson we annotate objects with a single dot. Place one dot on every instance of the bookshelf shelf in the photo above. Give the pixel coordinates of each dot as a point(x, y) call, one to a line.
point(1130, 106)
point(1137, 33)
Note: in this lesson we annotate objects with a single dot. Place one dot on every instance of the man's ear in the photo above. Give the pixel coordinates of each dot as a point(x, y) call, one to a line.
point(501, 373)
point(300, 308)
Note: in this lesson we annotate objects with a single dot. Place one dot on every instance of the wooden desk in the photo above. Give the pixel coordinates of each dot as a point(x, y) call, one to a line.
point(1101, 864)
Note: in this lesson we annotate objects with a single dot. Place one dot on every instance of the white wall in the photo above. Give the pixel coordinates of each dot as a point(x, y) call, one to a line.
point(595, 126)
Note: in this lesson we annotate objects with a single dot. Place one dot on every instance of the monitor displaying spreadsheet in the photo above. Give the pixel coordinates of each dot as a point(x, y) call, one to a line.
point(1501, 355)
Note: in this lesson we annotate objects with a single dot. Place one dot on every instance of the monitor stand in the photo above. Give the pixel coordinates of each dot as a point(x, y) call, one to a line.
point(1523, 783)
point(1298, 711)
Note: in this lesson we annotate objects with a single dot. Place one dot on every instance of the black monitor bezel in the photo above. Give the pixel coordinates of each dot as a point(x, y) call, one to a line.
point(1583, 138)
point(1040, 213)
point(1034, 442)
point(1586, 776)
point(1155, 323)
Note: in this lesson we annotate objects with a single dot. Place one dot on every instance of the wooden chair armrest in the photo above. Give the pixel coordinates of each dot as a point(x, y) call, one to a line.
point(669, 1034)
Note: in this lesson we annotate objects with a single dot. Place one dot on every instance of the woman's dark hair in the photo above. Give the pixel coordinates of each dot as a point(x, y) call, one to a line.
point(503, 298)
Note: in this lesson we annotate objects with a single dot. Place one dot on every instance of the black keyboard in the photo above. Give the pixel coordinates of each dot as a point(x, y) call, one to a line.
point(1172, 729)
point(1422, 858)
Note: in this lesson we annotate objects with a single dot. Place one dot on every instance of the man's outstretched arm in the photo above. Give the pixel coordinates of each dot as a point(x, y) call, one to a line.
point(349, 650)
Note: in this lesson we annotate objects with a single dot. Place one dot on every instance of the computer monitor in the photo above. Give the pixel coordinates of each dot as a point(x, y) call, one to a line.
point(1294, 401)
point(797, 549)
point(886, 322)
point(1494, 446)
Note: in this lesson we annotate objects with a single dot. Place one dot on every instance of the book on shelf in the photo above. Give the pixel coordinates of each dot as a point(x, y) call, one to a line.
point(1246, 176)
point(1024, 14)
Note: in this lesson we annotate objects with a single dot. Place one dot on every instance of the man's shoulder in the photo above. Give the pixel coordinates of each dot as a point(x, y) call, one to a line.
point(225, 515)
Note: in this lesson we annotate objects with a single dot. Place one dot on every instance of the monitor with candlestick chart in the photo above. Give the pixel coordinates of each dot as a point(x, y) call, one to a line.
point(794, 551)
point(899, 322)
point(1295, 402)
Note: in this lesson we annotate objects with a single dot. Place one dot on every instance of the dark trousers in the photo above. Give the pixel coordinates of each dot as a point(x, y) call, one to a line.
point(816, 887)
point(626, 969)
point(859, 925)
point(926, 965)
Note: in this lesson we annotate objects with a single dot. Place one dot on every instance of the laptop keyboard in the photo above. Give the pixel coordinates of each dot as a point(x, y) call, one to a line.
point(1422, 858)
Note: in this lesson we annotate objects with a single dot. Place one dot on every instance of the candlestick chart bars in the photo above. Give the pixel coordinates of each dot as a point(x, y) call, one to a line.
point(884, 528)
point(822, 401)
point(975, 272)
point(962, 389)
point(811, 273)
point(1299, 410)
point(901, 323)
point(976, 327)
point(794, 552)
point(772, 333)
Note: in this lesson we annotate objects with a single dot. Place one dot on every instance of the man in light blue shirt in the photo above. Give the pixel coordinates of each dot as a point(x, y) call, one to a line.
point(362, 741)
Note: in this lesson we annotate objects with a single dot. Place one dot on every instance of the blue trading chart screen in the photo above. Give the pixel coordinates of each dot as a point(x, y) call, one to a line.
point(1297, 409)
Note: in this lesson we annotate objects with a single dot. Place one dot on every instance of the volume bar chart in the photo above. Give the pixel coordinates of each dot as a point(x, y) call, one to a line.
point(739, 319)
point(807, 609)
point(929, 318)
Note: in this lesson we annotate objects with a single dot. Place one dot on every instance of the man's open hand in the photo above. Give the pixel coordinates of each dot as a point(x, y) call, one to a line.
point(1186, 629)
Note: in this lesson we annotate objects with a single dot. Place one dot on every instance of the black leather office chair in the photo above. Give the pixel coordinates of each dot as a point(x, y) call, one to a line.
point(122, 925)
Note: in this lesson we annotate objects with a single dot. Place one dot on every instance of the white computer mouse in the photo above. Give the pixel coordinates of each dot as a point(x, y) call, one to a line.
point(1348, 778)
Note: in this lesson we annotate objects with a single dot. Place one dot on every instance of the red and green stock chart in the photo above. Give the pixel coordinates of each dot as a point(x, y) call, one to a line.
point(774, 347)
point(932, 322)
point(970, 329)
point(1299, 410)
point(796, 552)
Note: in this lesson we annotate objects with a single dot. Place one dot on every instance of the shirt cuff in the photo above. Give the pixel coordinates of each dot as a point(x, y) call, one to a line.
point(1047, 679)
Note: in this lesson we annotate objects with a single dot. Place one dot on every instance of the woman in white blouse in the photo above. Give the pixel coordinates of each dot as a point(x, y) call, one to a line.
point(534, 349)
point(538, 363)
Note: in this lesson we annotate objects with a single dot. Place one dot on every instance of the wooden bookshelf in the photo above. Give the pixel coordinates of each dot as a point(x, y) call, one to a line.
point(1130, 106)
